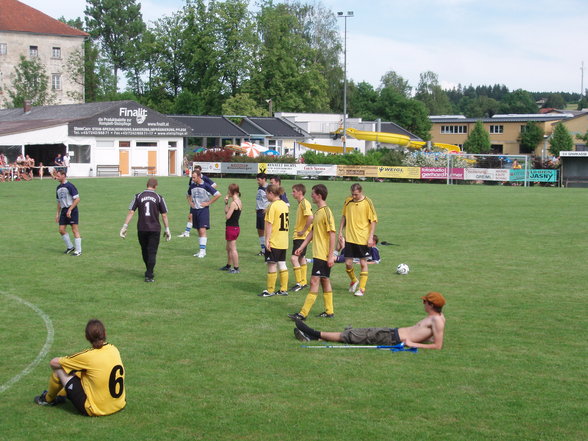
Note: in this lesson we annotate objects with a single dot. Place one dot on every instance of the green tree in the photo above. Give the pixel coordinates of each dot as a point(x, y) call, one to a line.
point(430, 93)
point(243, 104)
point(530, 136)
point(408, 113)
point(362, 100)
point(561, 140)
point(30, 82)
point(117, 25)
point(478, 140)
point(480, 107)
point(555, 101)
point(518, 101)
point(392, 80)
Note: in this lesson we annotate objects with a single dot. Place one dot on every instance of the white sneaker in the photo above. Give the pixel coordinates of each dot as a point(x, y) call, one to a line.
point(353, 286)
point(359, 293)
point(201, 254)
point(184, 234)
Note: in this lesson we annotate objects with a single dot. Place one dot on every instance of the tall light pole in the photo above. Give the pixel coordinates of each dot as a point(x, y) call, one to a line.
point(341, 14)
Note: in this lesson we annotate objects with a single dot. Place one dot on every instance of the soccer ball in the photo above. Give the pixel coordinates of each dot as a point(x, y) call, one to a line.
point(402, 269)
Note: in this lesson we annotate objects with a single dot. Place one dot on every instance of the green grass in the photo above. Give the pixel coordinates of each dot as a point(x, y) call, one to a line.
point(207, 359)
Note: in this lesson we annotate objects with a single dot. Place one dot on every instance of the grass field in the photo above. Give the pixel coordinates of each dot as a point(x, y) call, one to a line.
point(206, 359)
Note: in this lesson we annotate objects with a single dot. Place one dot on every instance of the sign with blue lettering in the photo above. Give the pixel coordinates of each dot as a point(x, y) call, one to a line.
point(535, 175)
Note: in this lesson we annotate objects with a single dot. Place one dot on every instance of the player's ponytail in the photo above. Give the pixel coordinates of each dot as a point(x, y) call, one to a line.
point(96, 333)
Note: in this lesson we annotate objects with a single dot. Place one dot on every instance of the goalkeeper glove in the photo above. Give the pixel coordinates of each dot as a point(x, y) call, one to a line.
point(123, 231)
point(167, 234)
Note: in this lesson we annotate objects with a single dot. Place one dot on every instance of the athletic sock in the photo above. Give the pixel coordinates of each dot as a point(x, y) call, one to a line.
point(297, 275)
point(54, 387)
point(304, 280)
point(328, 299)
point(313, 334)
point(363, 278)
point(67, 240)
point(284, 280)
point(262, 243)
point(310, 299)
point(203, 241)
point(78, 242)
point(188, 226)
point(351, 274)
point(271, 281)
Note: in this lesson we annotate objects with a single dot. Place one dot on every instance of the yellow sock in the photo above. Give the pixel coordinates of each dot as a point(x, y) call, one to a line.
point(351, 274)
point(304, 280)
point(363, 276)
point(328, 299)
point(284, 280)
point(54, 387)
point(271, 281)
point(297, 275)
point(310, 299)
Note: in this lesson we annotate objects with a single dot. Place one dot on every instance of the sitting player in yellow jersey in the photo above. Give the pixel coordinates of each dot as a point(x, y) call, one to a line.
point(276, 242)
point(322, 236)
point(94, 379)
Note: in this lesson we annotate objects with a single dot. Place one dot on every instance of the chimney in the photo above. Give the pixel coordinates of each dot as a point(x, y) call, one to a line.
point(27, 106)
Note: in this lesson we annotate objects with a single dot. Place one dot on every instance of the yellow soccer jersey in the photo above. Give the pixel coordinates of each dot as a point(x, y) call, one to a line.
point(103, 378)
point(322, 224)
point(277, 215)
point(358, 216)
point(304, 210)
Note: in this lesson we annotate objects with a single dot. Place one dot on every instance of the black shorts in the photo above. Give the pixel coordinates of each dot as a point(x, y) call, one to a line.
point(296, 244)
point(357, 251)
point(73, 220)
point(260, 219)
point(371, 336)
point(200, 218)
point(320, 268)
point(275, 255)
point(76, 394)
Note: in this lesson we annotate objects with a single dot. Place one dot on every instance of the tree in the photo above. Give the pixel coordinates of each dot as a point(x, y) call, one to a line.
point(362, 100)
point(118, 25)
point(518, 101)
point(408, 113)
point(555, 101)
point(392, 80)
point(430, 93)
point(243, 104)
point(30, 82)
point(530, 136)
point(479, 107)
point(478, 140)
point(561, 140)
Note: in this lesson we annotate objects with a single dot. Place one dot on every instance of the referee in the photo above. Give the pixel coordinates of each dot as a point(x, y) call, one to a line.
point(150, 206)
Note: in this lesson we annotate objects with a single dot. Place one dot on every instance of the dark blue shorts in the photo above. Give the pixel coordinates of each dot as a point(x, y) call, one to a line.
point(73, 220)
point(200, 218)
point(260, 220)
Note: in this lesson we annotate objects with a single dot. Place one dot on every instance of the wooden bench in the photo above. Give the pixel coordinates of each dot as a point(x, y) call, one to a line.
point(107, 170)
point(143, 171)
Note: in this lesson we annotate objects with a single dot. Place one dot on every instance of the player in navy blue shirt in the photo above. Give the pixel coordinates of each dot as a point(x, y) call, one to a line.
point(208, 181)
point(68, 199)
point(200, 196)
point(276, 180)
point(150, 206)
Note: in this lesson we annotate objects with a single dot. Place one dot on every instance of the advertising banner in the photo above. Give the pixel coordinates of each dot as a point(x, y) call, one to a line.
point(316, 170)
point(534, 175)
point(245, 168)
point(440, 173)
point(399, 172)
point(367, 171)
point(281, 169)
point(209, 167)
point(486, 174)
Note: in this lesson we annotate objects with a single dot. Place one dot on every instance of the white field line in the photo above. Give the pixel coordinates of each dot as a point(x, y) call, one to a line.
point(44, 349)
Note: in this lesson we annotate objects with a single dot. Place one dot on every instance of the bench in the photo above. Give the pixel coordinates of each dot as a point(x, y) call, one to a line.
point(107, 170)
point(143, 171)
point(576, 181)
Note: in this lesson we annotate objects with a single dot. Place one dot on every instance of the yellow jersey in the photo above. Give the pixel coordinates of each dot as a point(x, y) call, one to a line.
point(322, 224)
point(358, 217)
point(277, 215)
point(304, 210)
point(103, 378)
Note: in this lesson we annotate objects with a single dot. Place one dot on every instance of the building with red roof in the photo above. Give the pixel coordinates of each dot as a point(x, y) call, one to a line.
point(28, 32)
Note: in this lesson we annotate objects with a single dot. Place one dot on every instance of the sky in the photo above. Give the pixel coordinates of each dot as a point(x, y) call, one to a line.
point(536, 45)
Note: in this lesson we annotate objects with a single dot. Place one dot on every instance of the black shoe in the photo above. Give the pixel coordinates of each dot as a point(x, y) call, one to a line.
point(325, 315)
point(301, 335)
point(296, 287)
point(261, 253)
point(266, 293)
point(281, 293)
point(225, 268)
point(149, 279)
point(41, 400)
point(69, 251)
point(297, 316)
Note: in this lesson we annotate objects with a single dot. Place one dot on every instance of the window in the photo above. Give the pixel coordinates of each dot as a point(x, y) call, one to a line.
point(447, 130)
point(56, 52)
point(496, 129)
point(104, 143)
point(3, 48)
point(146, 144)
point(124, 143)
point(34, 51)
point(56, 81)
point(79, 154)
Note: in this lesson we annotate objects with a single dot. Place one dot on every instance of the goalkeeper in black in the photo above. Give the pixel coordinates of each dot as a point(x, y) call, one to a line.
point(150, 206)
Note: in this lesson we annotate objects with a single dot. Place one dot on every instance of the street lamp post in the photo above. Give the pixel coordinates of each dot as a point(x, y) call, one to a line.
point(341, 14)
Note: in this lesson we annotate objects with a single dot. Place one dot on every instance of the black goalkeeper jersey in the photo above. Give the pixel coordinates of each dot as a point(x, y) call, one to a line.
point(149, 205)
